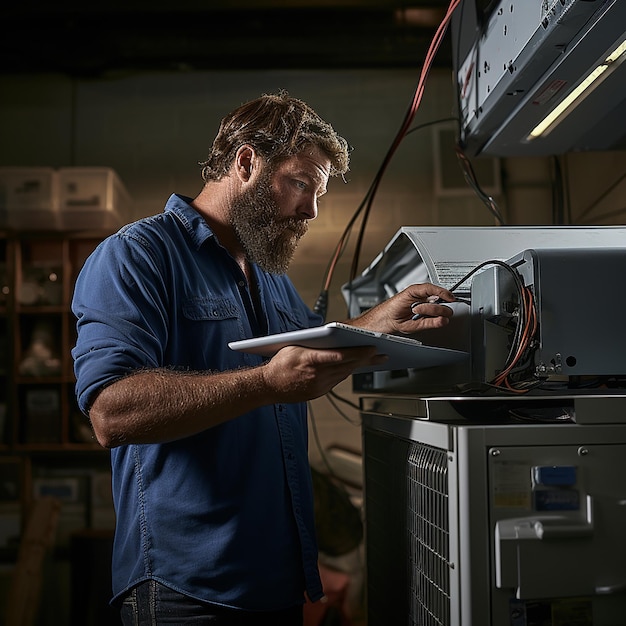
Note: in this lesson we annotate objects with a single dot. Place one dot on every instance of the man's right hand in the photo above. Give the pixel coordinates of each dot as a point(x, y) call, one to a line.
point(299, 374)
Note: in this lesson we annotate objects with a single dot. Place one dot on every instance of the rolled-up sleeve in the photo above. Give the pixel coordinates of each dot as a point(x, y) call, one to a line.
point(120, 306)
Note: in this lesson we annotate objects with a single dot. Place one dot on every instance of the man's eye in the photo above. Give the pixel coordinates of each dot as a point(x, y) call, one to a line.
point(300, 184)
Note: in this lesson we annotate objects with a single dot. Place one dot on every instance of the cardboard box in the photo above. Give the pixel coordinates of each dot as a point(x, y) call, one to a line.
point(92, 198)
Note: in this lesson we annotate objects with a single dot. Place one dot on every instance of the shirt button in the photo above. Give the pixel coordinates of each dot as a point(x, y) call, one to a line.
point(241, 283)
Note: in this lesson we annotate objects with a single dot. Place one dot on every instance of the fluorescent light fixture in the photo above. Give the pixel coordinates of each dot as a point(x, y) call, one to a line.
point(578, 94)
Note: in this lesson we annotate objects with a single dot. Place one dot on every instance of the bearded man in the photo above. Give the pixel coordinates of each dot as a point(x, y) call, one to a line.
point(211, 483)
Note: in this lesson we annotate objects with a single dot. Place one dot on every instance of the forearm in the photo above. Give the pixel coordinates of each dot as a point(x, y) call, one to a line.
point(163, 405)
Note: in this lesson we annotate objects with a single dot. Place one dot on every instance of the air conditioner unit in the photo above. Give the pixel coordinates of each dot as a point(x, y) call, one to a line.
point(513, 516)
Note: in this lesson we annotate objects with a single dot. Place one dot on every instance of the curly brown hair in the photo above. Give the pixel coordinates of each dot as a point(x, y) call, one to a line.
point(277, 126)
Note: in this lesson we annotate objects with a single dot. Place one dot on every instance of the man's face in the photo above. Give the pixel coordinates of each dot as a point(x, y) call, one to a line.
point(272, 214)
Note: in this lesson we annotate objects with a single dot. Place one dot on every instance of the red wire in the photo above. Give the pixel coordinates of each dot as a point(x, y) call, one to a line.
point(528, 333)
point(417, 98)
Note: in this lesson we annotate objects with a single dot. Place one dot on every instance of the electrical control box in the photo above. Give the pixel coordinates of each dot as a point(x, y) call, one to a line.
point(579, 330)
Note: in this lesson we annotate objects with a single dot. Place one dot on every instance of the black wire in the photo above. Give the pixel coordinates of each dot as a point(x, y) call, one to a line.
point(318, 443)
point(558, 205)
point(520, 294)
point(332, 398)
point(467, 276)
point(433, 123)
point(346, 233)
point(411, 111)
point(567, 205)
point(351, 404)
point(472, 180)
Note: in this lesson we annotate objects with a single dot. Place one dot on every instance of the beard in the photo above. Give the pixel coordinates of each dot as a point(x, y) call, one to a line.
point(268, 240)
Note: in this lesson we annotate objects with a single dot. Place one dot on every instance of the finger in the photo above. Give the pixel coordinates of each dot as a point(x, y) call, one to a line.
point(424, 323)
point(429, 300)
point(431, 310)
point(424, 292)
point(349, 356)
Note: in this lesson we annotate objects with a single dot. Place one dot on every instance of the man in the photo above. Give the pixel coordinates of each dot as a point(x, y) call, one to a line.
point(211, 483)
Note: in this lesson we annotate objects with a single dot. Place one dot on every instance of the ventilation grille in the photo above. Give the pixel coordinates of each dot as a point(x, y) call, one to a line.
point(428, 536)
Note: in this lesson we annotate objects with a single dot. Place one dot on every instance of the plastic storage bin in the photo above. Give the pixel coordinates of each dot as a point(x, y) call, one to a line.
point(28, 198)
point(91, 198)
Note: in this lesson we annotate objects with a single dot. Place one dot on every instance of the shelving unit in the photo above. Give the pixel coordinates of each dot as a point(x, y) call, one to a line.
point(46, 444)
point(51, 219)
point(46, 416)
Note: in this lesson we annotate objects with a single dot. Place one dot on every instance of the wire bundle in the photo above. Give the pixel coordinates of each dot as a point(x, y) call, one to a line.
point(522, 347)
point(515, 375)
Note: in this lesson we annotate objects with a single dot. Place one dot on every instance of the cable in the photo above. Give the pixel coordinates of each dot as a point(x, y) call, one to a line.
point(366, 204)
point(472, 181)
point(333, 397)
point(522, 346)
point(464, 162)
point(318, 443)
point(417, 99)
point(524, 336)
point(567, 204)
point(443, 120)
point(322, 300)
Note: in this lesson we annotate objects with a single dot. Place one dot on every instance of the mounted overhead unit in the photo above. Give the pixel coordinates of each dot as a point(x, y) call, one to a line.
point(541, 77)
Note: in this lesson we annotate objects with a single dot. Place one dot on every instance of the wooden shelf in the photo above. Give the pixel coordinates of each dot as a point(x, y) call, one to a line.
point(44, 440)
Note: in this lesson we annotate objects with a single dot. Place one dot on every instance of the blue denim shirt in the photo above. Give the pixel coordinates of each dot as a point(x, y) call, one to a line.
point(226, 515)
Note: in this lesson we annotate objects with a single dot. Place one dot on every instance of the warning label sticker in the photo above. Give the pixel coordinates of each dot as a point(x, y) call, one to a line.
point(511, 485)
point(549, 91)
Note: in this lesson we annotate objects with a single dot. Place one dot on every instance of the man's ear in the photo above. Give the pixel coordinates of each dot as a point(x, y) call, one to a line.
point(245, 160)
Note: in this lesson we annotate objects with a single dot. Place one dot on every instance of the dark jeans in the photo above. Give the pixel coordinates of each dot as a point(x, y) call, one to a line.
point(153, 604)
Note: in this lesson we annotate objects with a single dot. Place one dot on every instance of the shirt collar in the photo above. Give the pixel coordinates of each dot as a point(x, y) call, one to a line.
point(199, 231)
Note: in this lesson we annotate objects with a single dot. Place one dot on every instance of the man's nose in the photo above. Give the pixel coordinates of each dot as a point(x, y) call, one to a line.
point(308, 209)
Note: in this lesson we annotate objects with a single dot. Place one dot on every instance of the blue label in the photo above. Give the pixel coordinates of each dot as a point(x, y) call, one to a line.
point(559, 475)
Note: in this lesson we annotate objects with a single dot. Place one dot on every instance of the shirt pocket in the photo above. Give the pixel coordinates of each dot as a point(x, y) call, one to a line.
point(210, 308)
point(210, 324)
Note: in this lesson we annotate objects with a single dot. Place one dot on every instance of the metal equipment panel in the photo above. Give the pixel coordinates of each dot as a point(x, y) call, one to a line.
point(496, 523)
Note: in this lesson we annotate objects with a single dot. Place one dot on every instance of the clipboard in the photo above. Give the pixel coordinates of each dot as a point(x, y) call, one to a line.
point(403, 352)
